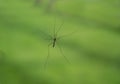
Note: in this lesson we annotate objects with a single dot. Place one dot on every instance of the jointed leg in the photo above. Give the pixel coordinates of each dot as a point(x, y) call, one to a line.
point(63, 54)
point(45, 65)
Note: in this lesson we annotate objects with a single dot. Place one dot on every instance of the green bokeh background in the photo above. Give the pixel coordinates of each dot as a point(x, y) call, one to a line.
point(93, 49)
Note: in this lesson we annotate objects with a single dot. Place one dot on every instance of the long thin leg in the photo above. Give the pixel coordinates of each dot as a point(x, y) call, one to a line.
point(54, 27)
point(46, 62)
point(63, 54)
point(59, 29)
point(49, 32)
point(67, 34)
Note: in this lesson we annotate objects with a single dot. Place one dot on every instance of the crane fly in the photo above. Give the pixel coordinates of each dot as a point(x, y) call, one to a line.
point(54, 41)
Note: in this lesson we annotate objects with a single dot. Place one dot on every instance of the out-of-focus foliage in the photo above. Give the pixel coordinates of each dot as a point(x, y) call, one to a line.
point(94, 50)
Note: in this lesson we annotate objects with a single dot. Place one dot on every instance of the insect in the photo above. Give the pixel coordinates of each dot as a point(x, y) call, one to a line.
point(54, 42)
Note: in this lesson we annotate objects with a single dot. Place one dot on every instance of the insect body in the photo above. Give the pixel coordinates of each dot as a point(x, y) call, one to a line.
point(54, 41)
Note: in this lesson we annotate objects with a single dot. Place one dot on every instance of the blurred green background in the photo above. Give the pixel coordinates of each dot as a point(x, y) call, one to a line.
point(94, 50)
